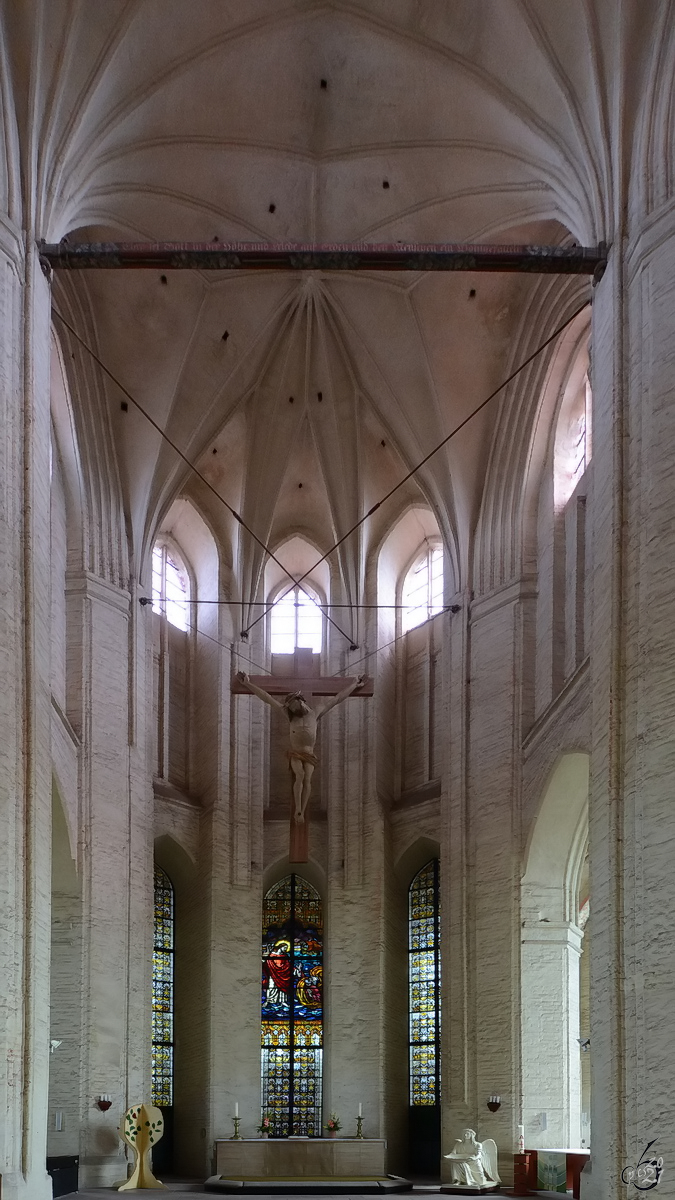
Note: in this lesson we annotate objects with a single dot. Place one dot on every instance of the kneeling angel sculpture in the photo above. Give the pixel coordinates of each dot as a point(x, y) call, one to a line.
point(474, 1163)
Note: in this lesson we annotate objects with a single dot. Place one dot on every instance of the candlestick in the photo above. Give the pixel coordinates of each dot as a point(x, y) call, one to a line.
point(359, 1126)
point(236, 1136)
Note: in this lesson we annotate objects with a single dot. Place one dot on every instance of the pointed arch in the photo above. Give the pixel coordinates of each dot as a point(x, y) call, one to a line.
point(551, 944)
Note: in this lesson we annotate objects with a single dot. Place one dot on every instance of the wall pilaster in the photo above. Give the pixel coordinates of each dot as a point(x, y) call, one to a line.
point(25, 771)
point(632, 819)
point(115, 854)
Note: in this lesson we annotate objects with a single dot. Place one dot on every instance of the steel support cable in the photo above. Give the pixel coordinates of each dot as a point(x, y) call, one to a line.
point(258, 603)
point(452, 608)
point(556, 333)
point(193, 468)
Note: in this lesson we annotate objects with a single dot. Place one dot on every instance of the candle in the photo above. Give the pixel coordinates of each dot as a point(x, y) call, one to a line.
point(236, 1108)
point(360, 1109)
point(521, 1138)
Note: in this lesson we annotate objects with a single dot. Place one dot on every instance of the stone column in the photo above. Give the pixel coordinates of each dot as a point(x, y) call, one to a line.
point(482, 852)
point(632, 816)
point(231, 845)
point(355, 997)
point(25, 771)
point(457, 1048)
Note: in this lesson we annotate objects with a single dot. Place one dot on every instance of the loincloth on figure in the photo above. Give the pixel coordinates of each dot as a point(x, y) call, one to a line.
point(302, 756)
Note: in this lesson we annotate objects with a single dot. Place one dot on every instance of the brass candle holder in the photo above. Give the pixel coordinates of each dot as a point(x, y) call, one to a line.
point(236, 1136)
point(359, 1127)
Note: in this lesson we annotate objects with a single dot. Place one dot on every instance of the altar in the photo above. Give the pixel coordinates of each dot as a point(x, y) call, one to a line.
point(298, 1158)
point(302, 1161)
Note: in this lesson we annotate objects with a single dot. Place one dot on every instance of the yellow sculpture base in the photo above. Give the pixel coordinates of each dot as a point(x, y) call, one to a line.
point(142, 1127)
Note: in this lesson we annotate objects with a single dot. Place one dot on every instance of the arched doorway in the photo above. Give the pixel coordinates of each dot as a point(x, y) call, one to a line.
point(551, 944)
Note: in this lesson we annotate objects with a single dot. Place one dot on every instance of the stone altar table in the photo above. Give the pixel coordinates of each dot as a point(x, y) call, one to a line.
point(294, 1158)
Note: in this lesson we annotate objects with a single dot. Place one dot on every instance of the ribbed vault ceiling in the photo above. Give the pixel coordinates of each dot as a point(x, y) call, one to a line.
point(210, 120)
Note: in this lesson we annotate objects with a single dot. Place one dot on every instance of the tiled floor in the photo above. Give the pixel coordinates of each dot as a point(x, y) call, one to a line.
point(184, 1190)
point(180, 1189)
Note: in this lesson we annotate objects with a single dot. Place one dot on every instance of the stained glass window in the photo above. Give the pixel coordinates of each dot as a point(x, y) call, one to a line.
point(422, 593)
point(162, 993)
point(424, 977)
point(292, 1008)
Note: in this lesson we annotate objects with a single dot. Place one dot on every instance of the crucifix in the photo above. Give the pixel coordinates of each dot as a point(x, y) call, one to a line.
point(303, 714)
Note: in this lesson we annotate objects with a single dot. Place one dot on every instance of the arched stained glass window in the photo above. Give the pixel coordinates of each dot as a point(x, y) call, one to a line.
point(296, 622)
point(170, 594)
point(162, 992)
point(292, 1008)
point(422, 592)
point(424, 986)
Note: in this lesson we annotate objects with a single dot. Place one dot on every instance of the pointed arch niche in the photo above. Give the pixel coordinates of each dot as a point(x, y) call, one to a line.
point(414, 1074)
point(410, 670)
point(553, 888)
point(298, 556)
point(292, 1008)
point(186, 664)
point(562, 551)
point(180, 958)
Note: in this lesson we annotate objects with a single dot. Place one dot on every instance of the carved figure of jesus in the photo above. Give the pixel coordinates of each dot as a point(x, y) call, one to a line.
point(302, 718)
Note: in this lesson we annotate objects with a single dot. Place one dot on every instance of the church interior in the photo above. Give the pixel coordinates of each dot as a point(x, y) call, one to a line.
point(337, 629)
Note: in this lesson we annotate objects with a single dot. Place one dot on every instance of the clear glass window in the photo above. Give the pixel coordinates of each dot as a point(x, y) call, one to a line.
point(573, 442)
point(580, 434)
point(296, 622)
point(422, 593)
point(170, 593)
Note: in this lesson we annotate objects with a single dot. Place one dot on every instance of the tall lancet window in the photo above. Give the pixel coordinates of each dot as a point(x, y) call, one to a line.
point(424, 986)
point(296, 621)
point(170, 593)
point(422, 592)
point(292, 1008)
point(162, 992)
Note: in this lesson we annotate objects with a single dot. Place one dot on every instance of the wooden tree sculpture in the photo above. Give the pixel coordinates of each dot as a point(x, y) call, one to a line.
point(142, 1127)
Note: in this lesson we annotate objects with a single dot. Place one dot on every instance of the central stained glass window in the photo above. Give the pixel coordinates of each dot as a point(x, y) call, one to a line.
point(292, 1008)
point(425, 986)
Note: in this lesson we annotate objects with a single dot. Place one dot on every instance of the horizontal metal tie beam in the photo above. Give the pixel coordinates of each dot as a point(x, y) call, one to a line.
point(290, 256)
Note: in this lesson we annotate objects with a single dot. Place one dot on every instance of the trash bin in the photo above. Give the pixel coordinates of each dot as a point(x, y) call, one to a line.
point(63, 1169)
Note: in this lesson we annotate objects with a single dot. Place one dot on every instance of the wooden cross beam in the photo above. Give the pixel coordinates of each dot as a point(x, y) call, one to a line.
point(317, 685)
point(303, 256)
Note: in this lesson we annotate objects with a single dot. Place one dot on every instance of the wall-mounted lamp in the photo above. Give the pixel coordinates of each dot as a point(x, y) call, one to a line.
point(494, 1102)
point(104, 1102)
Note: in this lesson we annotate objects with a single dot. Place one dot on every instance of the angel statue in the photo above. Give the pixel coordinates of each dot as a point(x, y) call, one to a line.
point(474, 1163)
